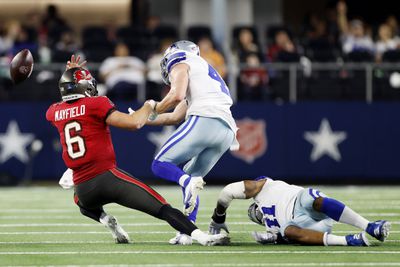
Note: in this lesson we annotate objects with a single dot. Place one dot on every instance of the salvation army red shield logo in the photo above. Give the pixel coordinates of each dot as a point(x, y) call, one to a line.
point(252, 139)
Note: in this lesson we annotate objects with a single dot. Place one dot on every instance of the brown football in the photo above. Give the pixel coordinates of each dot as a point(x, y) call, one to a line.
point(21, 66)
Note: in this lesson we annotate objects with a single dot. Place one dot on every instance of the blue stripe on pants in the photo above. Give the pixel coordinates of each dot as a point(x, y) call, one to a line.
point(186, 123)
point(163, 151)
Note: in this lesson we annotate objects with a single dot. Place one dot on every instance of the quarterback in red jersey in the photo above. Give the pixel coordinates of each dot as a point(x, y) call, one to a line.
point(82, 119)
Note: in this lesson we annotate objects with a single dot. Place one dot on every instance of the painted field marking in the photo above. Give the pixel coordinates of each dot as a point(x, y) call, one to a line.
point(13, 225)
point(234, 264)
point(49, 242)
point(141, 216)
point(198, 252)
point(129, 232)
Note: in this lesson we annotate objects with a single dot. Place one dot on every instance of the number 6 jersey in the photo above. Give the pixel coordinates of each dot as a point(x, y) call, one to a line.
point(84, 135)
point(207, 94)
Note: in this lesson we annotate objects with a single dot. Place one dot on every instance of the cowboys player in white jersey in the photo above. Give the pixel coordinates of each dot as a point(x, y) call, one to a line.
point(295, 214)
point(199, 95)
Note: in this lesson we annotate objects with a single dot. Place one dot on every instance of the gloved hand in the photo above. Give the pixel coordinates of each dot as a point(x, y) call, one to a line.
point(217, 223)
point(66, 180)
point(215, 228)
point(265, 237)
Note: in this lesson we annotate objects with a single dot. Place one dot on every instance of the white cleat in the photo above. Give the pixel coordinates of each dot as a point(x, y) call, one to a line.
point(210, 240)
point(119, 234)
point(214, 240)
point(181, 239)
point(192, 190)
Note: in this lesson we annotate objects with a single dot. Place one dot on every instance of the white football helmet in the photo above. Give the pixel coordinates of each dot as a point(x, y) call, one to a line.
point(255, 214)
point(184, 45)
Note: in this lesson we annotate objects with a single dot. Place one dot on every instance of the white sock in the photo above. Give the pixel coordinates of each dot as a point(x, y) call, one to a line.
point(334, 240)
point(183, 179)
point(349, 216)
point(197, 234)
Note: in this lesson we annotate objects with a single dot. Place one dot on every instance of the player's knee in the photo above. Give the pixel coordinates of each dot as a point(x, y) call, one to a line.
point(317, 204)
point(164, 211)
point(296, 234)
point(155, 166)
point(292, 233)
point(170, 214)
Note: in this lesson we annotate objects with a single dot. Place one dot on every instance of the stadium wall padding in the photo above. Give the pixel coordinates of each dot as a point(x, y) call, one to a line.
point(314, 142)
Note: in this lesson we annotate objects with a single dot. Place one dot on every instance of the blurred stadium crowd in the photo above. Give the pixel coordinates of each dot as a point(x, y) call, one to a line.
point(126, 59)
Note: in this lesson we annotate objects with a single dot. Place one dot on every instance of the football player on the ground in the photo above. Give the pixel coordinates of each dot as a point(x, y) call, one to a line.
point(82, 119)
point(295, 214)
point(199, 94)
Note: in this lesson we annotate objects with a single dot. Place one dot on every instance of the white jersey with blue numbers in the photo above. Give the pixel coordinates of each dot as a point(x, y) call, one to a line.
point(276, 201)
point(207, 95)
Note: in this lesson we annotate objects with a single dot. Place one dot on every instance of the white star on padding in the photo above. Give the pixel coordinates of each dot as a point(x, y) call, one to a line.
point(13, 143)
point(160, 138)
point(325, 141)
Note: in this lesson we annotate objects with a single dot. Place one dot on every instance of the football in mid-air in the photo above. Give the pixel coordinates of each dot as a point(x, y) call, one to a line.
point(21, 66)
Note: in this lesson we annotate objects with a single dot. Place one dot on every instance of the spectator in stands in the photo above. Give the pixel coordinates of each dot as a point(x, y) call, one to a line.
point(52, 24)
point(111, 31)
point(316, 32)
point(247, 44)
point(353, 33)
point(8, 34)
point(253, 80)
point(122, 73)
point(26, 38)
point(4, 41)
point(283, 48)
point(393, 24)
point(211, 55)
point(152, 23)
point(386, 41)
point(332, 25)
point(67, 45)
point(155, 85)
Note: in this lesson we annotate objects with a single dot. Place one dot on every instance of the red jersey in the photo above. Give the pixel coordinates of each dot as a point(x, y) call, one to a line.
point(84, 135)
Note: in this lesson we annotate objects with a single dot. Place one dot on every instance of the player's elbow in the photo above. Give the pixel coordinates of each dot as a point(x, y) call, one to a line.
point(178, 97)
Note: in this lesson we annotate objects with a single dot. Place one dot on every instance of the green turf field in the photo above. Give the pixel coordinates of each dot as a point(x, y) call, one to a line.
point(41, 226)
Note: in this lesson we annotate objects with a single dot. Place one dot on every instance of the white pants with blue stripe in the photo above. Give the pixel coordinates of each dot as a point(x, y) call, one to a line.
point(198, 143)
point(304, 215)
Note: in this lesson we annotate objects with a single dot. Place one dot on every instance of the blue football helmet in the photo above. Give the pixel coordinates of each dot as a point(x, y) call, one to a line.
point(184, 45)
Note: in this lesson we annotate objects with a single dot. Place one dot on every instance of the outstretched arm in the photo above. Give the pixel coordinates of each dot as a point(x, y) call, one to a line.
point(179, 77)
point(240, 190)
point(133, 121)
point(343, 23)
point(171, 118)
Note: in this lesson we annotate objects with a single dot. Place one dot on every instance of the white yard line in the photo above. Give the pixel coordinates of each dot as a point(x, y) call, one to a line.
point(72, 209)
point(145, 216)
point(199, 252)
point(135, 232)
point(234, 264)
point(13, 225)
point(49, 242)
